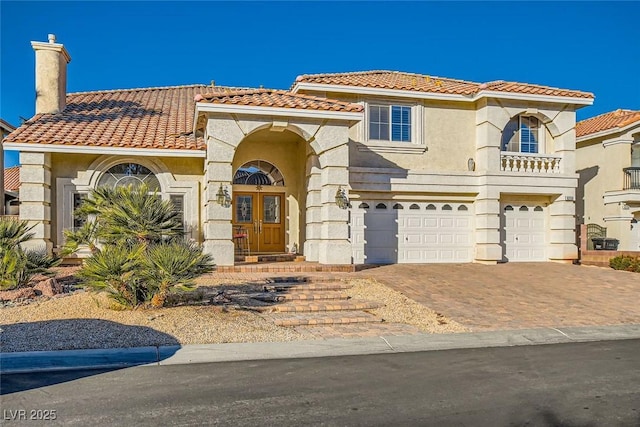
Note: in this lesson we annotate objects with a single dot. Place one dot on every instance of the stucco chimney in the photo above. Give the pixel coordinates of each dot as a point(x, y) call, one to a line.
point(51, 76)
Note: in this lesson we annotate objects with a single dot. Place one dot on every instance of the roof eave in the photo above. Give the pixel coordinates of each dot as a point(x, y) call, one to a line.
point(205, 107)
point(607, 132)
point(79, 149)
point(440, 96)
point(533, 97)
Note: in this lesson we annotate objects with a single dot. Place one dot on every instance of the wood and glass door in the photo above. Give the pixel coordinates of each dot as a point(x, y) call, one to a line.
point(261, 216)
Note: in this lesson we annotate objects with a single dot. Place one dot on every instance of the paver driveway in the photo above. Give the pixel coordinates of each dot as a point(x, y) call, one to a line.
point(518, 295)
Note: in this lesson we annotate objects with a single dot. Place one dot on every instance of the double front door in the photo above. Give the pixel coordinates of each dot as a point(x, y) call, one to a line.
point(260, 217)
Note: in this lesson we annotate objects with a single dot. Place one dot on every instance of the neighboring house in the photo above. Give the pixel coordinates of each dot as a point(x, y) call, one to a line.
point(11, 190)
point(608, 161)
point(367, 167)
point(5, 129)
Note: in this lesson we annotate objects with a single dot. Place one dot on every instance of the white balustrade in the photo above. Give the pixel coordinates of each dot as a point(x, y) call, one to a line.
point(536, 163)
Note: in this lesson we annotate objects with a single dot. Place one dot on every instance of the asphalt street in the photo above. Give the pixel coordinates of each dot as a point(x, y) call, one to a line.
point(576, 384)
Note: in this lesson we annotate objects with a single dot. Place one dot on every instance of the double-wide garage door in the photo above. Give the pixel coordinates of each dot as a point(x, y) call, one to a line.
point(411, 232)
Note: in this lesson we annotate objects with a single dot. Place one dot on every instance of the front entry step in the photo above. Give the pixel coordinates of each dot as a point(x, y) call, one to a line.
point(320, 319)
point(306, 287)
point(298, 296)
point(318, 306)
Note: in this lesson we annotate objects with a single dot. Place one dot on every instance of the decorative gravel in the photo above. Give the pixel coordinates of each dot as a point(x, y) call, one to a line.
point(400, 309)
point(83, 320)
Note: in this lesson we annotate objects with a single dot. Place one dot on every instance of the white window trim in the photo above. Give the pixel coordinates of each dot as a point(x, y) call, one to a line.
point(415, 146)
point(541, 135)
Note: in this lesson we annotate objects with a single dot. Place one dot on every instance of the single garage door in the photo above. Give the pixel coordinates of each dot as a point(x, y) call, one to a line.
point(524, 232)
point(412, 232)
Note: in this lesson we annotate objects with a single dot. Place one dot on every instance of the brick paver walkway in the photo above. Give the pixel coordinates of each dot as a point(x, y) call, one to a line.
point(518, 295)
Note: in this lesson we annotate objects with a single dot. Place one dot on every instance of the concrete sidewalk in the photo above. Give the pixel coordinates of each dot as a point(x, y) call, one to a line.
point(42, 361)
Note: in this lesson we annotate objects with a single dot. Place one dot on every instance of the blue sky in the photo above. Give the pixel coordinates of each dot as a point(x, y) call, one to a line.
point(591, 46)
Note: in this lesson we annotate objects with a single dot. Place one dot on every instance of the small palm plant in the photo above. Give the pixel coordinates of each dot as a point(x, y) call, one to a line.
point(138, 251)
point(17, 265)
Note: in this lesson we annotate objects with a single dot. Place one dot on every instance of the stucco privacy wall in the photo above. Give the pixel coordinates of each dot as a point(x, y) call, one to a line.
point(326, 240)
point(79, 173)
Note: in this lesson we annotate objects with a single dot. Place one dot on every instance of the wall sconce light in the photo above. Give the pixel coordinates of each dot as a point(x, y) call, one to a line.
point(471, 164)
point(222, 197)
point(341, 199)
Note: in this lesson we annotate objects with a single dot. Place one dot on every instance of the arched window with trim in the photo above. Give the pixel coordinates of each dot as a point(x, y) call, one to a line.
point(258, 172)
point(129, 174)
point(522, 134)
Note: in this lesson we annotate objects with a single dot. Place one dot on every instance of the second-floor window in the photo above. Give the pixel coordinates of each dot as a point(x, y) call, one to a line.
point(521, 135)
point(390, 123)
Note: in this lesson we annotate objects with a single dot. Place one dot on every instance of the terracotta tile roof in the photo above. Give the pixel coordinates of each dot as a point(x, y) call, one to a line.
point(12, 178)
point(610, 120)
point(423, 83)
point(279, 99)
point(151, 117)
point(133, 118)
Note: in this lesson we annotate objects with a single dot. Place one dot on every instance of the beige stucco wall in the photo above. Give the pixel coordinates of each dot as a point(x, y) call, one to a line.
point(446, 129)
point(85, 168)
point(600, 162)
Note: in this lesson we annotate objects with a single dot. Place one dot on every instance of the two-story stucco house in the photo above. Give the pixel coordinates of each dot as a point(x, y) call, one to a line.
point(608, 161)
point(364, 167)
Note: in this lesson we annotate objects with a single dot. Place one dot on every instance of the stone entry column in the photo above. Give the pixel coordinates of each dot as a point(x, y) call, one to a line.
point(313, 215)
point(562, 229)
point(224, 135)
point(35, 198)
point(488, 227)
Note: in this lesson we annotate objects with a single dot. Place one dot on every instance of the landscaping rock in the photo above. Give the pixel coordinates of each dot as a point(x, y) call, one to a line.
point(17, 294)
point(48, 287)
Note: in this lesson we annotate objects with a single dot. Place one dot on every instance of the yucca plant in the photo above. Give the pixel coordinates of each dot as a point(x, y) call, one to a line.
point(173, 266)
point(138, 251)
point(113, 270)
point(18, 266)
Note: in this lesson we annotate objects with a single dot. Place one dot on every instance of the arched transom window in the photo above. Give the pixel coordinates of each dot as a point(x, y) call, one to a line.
point(522, 135)
point(129, 174)
point(258, 172)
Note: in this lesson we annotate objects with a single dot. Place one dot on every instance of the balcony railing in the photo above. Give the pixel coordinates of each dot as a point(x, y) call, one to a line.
point(536, 163)
point(631, 178)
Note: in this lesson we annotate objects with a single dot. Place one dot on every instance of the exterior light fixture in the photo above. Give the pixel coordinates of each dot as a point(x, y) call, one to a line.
point(471, 164)
point(222, 197)
point(341, 199)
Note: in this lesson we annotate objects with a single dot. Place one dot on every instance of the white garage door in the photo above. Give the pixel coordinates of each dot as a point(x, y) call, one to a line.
point(524, 234)
point(412, 232)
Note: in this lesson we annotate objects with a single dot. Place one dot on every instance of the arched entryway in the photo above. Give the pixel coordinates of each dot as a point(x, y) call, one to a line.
point(270, 186)
point(312, 156)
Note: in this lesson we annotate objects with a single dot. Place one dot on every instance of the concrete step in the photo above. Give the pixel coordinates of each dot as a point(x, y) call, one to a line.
point(328, 318)
point(306, 287)
point(317, 306)
point(298, 296)
point(302, 279)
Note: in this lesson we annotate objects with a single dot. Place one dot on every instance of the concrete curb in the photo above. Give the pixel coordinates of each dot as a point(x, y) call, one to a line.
point(43, 361)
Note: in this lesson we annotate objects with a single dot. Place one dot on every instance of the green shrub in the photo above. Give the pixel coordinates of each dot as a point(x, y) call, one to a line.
point(18, 266)
point(625, 262)
point(138, 250)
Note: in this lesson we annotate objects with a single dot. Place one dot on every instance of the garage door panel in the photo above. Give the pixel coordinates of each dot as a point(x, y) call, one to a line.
point(413, 239)
point(447, 222)
point(412, 222)
point(524, 233)
point(446, 239)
